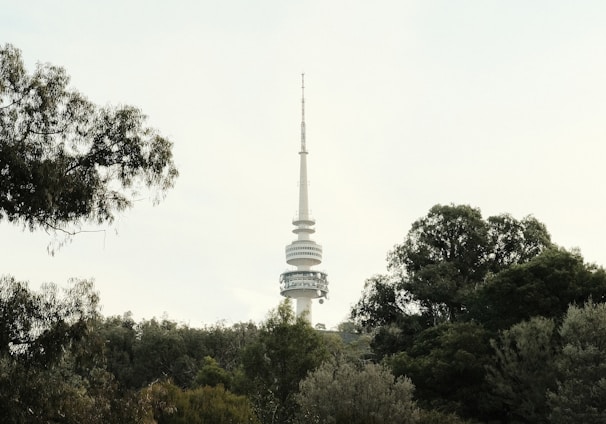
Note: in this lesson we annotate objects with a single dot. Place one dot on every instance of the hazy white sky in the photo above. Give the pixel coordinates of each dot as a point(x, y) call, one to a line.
point(496, 104)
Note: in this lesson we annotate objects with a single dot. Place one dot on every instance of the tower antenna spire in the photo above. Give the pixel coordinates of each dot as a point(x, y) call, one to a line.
point(303, 147)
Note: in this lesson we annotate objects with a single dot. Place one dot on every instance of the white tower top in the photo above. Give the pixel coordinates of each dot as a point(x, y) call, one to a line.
point(304, 284)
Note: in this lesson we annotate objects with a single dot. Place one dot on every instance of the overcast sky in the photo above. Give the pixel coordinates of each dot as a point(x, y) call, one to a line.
point(497, 104)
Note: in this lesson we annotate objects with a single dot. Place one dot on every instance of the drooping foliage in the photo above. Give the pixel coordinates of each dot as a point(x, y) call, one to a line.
point(65, 161)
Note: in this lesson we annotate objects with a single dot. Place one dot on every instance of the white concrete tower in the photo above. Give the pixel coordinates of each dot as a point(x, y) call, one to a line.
point(304, 284)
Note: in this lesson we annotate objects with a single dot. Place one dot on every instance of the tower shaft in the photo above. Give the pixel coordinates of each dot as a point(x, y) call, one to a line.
point(303, 284)
point(303, 189)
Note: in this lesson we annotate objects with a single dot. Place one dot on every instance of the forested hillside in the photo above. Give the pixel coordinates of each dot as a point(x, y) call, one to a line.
point(483, 321)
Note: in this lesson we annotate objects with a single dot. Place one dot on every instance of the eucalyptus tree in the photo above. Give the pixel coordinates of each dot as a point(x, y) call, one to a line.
point(65, 161)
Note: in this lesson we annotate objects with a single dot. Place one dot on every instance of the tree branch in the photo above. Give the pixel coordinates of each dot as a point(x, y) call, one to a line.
point(67, 232)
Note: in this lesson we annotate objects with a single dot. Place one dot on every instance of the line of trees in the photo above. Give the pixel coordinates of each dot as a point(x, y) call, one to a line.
point(62, 362)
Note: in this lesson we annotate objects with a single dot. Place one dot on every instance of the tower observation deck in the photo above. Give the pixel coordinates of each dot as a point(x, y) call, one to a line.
point(303, 283)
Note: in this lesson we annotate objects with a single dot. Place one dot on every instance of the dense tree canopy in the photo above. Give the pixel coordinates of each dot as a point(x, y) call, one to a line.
point(468, 309)
point(65, 161)
point(449, 252)
point(447, 366)
point(140, 353)
point(543, 286)
point(445, 257)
